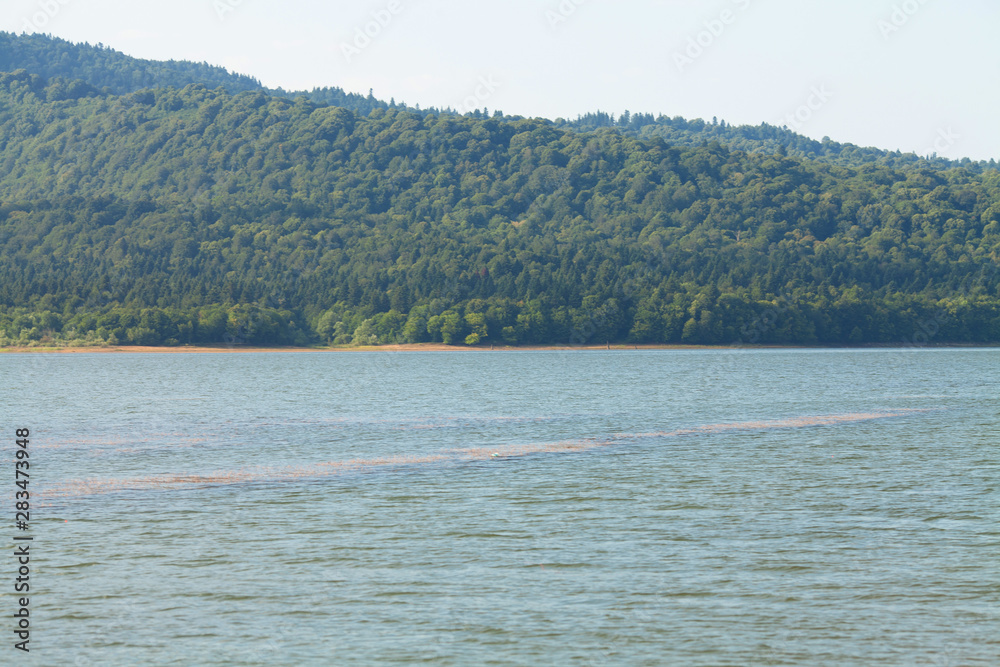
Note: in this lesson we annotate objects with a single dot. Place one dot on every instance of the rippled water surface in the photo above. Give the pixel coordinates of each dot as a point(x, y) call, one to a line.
point(773, 507)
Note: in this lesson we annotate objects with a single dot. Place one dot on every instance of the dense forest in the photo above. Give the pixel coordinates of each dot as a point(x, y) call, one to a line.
point(111, 71)
point(762, 139)
point(153, 210)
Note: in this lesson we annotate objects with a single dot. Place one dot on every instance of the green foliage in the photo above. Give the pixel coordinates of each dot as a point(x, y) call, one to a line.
point(182, 215)
point(104, 69)
point(764, 138)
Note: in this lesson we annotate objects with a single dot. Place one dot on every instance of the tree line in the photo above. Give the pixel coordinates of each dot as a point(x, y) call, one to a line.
point(192, 215)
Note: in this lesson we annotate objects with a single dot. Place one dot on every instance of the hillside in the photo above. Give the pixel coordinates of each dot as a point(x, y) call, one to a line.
point(763, 138)
point(199, 215)
point(104, 69)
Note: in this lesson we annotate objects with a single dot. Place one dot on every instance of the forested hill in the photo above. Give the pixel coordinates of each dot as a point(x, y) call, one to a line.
point(104, 69)
point(199, 215)
point(764, 138)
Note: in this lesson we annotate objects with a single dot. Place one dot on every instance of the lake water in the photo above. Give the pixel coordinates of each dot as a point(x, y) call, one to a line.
point(732, 507)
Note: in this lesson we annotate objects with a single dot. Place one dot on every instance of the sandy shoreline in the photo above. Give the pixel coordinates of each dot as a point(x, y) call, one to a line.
point(413, 347)
point(434, 347)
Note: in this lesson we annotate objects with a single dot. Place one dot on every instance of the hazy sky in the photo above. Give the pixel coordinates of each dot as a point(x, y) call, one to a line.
point(914, 75)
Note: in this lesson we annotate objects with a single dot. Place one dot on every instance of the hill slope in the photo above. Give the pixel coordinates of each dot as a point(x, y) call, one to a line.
point(200, 215)
point(105, 69)
point(763, 138)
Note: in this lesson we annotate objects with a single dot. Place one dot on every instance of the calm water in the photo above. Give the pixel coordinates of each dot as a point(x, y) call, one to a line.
point(633, 508)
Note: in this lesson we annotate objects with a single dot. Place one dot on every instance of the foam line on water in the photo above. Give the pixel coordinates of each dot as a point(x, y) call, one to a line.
point(793, 422)
point(85, 487)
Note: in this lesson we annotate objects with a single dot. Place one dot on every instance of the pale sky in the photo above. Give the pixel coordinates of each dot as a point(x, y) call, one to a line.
point(913, 75)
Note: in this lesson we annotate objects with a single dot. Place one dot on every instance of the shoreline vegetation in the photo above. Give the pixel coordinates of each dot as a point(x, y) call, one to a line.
point(143, 211)
point(439, 347)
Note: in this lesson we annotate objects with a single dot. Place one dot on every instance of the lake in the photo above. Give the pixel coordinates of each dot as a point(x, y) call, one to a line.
point(689, 507)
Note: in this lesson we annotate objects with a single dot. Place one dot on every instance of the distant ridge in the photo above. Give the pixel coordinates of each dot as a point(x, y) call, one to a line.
point(172, 214)
point(114, 72)
point(108, 70)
